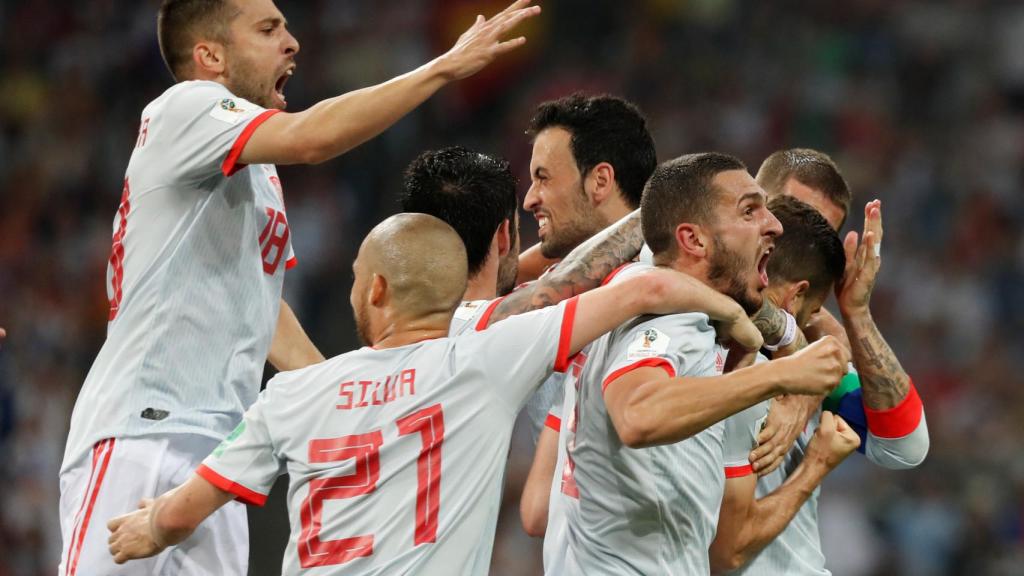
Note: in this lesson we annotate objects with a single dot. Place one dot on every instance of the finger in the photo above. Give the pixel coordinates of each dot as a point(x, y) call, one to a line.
point(509, 45)
point(841, 425)
point(517, 5)
point(873, 219)
point(850, 248)
point(514, 19)
point(766, 434)
point(114, 523)
point(827, 421)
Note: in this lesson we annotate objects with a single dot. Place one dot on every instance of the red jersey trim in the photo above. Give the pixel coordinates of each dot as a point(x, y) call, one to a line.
point(290, 263)
point(230, 164)
point(898, 421)
point(563, 360)
point(738, 471)
point(607, 280)
point(553, 422)
point(485, 318)
point(645, 363)
point(241, 493)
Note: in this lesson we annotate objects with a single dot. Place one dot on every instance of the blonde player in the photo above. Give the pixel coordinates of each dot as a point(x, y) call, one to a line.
point(200, 246)
point(396, 451)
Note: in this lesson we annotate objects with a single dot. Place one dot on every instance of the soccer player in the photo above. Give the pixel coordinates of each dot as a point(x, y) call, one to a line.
point(646, 452)
point(891, 425)
point(395, 451)
point(200, 247)
point(807, 261)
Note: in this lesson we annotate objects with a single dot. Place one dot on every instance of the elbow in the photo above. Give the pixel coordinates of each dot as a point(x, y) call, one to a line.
point(725, 562)
point(534, 520)
point(635, 431)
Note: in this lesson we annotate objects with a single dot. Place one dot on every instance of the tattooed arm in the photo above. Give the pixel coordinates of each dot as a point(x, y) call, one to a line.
point(770, 320)
point(583, 269)
point(883, 381)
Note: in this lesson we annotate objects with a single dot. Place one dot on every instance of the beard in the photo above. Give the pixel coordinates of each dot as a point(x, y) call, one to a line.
point(584, 223)
point(243, 82)
point(362, 323)
point(508, 269)
point(727, 272)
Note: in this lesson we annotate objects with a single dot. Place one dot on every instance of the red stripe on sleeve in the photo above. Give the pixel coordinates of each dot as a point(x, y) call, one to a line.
point(241, 493)
point(230, 164)
point(738, 471)
point(607, 280)
point(485, 318)
point(553, 422)
point(563, 360)
point(898, 421)
point(645, 363)
point(290, 263)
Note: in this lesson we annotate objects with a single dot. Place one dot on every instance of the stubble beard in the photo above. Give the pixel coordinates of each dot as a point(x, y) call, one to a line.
point(726, 274)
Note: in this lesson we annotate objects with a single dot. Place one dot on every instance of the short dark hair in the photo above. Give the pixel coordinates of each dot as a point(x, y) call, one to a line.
point(681, 190)
point(181, 23)
point(811, 168)
point(808, 249)
point(473, 192)
point(604, 129)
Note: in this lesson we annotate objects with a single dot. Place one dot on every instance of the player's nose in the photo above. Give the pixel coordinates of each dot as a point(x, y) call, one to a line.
point(772, 226)
point(532, 198)
point(291, 44)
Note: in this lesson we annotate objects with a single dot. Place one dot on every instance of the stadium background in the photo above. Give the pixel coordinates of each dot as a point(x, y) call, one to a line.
point(919, 102)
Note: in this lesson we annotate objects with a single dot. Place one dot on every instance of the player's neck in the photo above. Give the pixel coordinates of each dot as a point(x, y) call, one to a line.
point(482, 286)
point(402, 332)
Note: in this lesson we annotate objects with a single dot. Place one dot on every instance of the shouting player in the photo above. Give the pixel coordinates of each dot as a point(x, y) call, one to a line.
point(644, 473)
point(395, 451)
point(200, 246)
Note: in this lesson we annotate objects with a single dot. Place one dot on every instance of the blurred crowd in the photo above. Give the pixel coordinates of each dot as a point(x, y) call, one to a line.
point(921, 103)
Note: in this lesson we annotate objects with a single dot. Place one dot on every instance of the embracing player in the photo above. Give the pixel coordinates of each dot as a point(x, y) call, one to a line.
point(396, 451)
point(200, 247)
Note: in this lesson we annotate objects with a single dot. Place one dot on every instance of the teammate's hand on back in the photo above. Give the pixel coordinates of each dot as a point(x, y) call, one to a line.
point(130, 535)
point(862, 262)
point(832, 442)
point(481, 43)
point(816, 369)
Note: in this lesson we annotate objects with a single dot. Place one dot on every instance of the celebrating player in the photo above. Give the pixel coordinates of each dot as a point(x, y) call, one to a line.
point(395, 451)
point(646, 449)
point(200, 245)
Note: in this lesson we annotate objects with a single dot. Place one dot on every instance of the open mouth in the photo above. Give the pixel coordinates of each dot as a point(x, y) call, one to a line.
point(542, 223)
point(281, 81)
point(762, 267)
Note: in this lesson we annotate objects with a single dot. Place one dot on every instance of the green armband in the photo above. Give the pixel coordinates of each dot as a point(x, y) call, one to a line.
point(848, 384)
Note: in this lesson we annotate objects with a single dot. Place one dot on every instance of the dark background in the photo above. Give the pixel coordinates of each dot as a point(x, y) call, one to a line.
point(919, 102)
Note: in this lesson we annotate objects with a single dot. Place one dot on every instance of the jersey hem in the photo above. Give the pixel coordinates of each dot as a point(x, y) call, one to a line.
point(738, 471)
point(553, 422)
point(242, 494)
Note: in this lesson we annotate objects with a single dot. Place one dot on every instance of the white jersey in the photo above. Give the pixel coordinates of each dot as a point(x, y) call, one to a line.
point(200, 246)
point(395, 456)
point(651, 510)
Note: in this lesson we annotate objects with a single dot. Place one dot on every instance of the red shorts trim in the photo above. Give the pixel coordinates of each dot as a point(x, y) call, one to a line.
point(485, 318)
point(553, 422)
point(738, 471)
point(100, 452)
point(898, 421)
point(645, 363)
point(230, 164)
point(242, 494)
point(563, 360)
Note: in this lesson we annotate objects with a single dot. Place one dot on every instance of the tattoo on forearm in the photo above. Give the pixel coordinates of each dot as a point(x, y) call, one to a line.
point(882, 379)
point(583, 269)
point(770, 321)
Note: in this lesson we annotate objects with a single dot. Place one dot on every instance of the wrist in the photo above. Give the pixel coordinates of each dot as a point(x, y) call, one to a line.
point(440, 68)
point(787, 337)
point(855, 313)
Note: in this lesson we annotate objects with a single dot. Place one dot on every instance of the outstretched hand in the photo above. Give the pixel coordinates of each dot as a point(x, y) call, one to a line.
point(481, 43)
point(863, 260)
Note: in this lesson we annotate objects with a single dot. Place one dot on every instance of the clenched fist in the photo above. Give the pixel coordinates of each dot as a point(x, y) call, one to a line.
point(832, 442)
point(816, 369)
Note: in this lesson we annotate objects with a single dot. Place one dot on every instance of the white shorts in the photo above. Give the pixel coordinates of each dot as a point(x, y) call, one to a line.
point(111, 481)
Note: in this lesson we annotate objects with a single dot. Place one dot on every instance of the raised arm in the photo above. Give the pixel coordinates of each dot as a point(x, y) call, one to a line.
point(746, 525)
point(291, 348)
point(167, 521)
point(334, 126)
point(582, 269)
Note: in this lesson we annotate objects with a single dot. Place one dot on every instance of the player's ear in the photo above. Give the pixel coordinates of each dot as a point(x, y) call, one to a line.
point(503, 237)
point(600, 183)
point(796, 293)
point(378, 291)
point(692, 239)
point(208, 58)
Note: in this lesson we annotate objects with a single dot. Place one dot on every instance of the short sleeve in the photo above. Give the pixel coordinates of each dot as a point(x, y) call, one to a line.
point(519, 352)
point(207, 128)
point(244, 464)
point(679, 344)
point(740, 437)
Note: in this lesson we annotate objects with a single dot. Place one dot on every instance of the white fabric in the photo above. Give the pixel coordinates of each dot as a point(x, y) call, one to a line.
point(201, 259)
point(133, 469)
point(344, 413)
